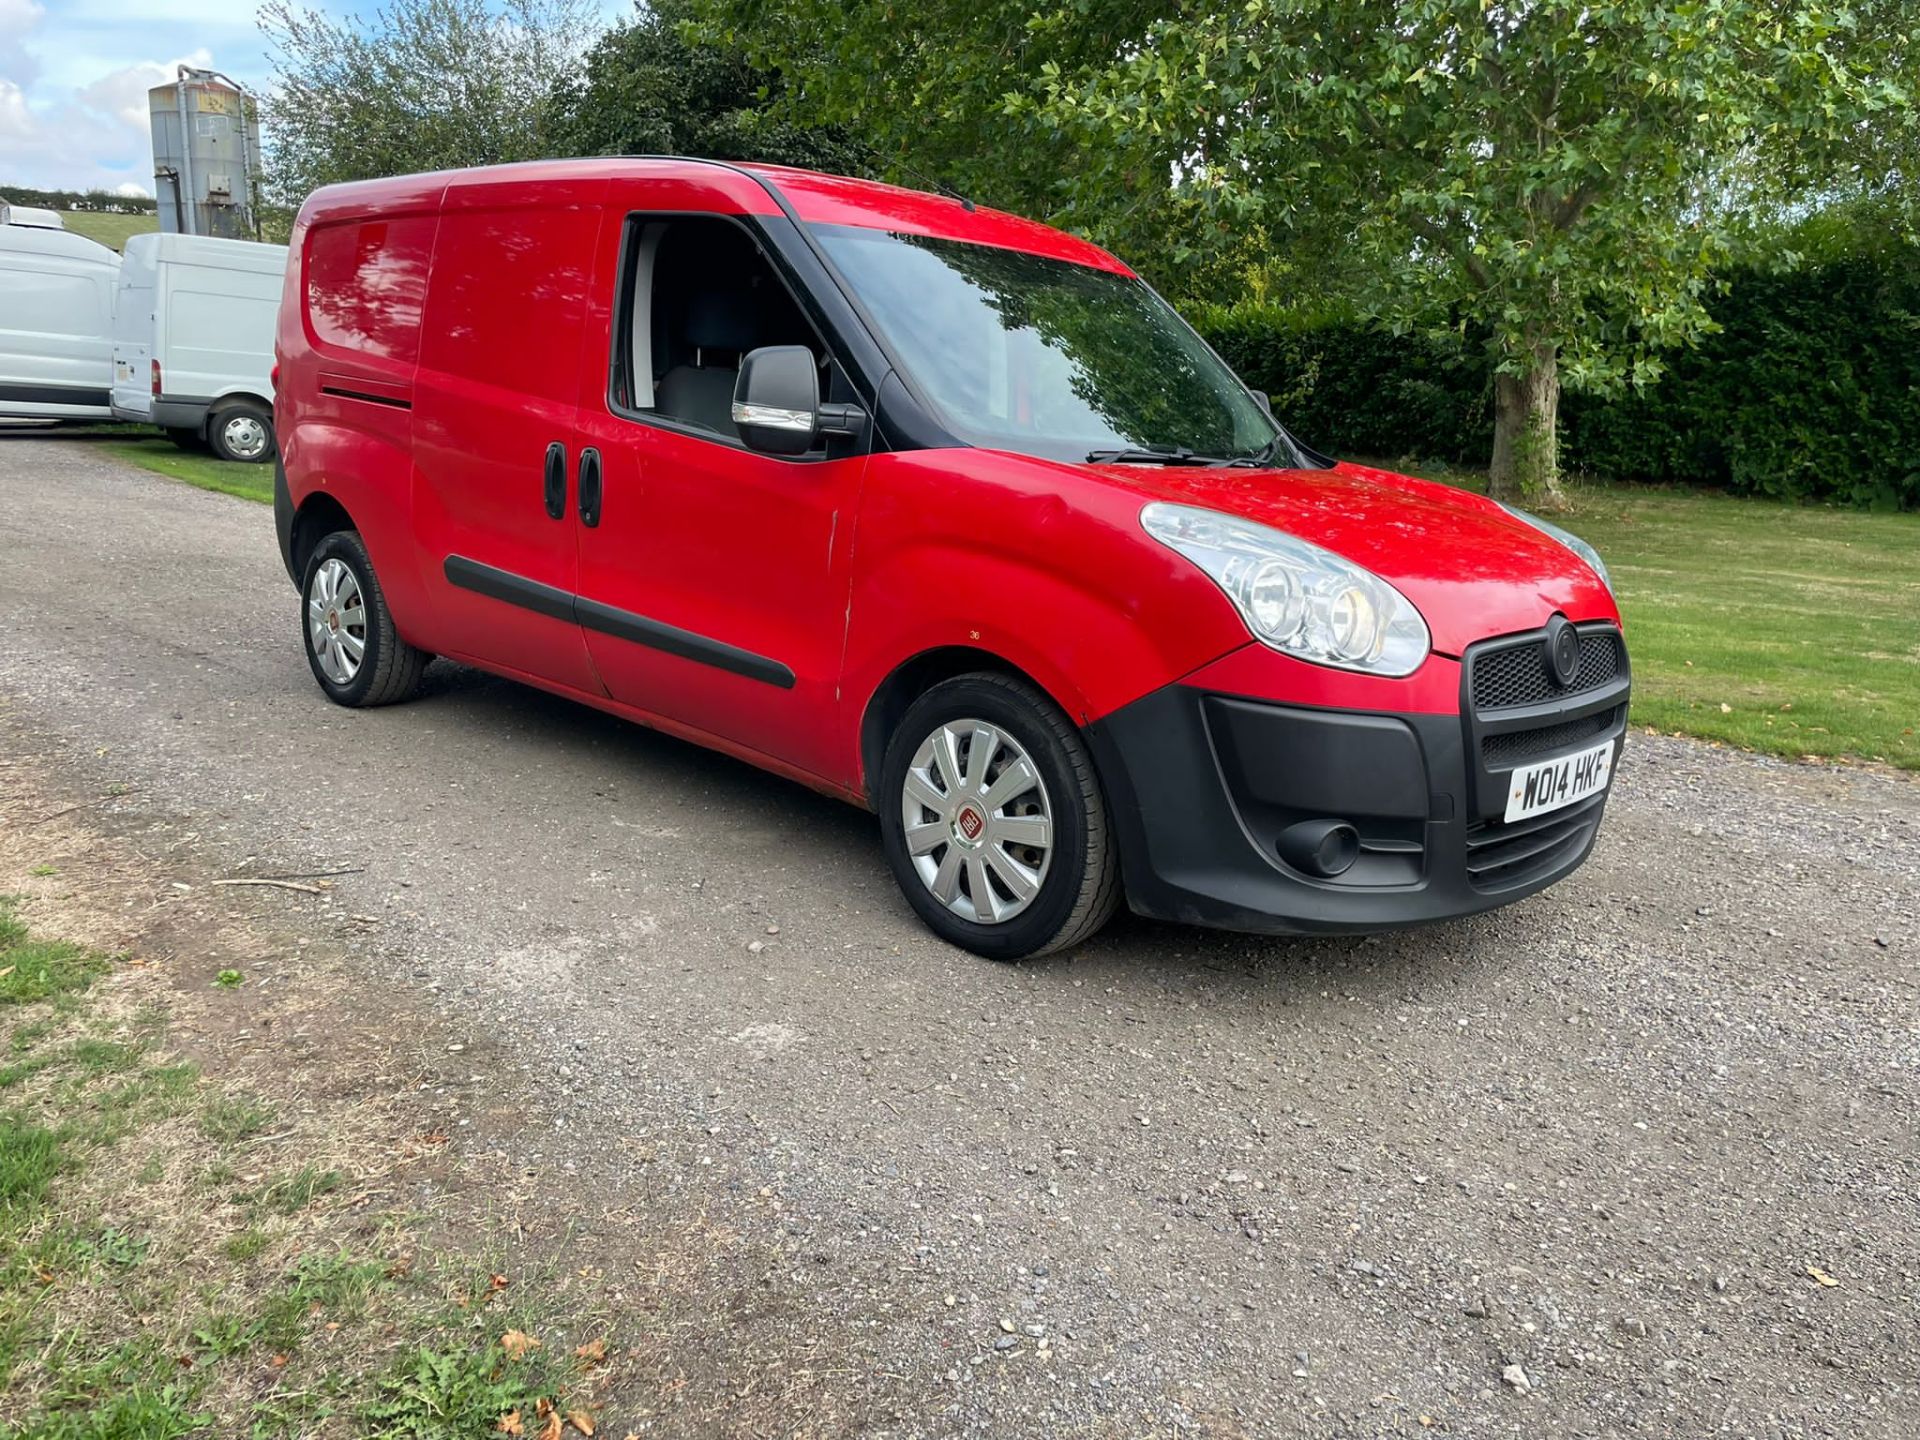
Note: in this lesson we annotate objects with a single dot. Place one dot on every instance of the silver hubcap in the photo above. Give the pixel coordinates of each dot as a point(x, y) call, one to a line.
point(244, 436)
point(978, 822)
point(337, 621)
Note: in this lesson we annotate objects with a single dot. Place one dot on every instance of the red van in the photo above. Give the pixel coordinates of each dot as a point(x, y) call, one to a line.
point(940, 511)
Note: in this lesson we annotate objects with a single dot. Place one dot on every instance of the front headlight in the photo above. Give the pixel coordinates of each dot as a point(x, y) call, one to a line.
point(1573, 542)
point(1296, 597)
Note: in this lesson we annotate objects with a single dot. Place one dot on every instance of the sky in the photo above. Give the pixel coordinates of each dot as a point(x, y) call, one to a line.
point(74, 76)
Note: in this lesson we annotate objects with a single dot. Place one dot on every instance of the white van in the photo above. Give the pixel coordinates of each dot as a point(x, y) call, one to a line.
point(193, 340)
point(56, 309)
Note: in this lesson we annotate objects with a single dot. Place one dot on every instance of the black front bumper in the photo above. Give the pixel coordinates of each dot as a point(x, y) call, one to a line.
point(1201, 785)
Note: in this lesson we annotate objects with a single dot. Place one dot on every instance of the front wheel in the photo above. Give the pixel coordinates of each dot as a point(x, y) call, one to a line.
point(356, 653)
point(994, 822)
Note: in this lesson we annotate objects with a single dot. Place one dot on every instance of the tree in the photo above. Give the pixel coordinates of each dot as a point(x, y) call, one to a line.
point(422, 85)
point(1560, 175)
point(645, 89)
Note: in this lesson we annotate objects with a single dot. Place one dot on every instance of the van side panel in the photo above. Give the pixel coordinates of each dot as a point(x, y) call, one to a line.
point(56, 338)
point(216, 332)
point(347, 343)
point(496, 388)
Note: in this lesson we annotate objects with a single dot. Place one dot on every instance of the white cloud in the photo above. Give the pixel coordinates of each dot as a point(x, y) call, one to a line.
point(74, 76)
point(94, 136)
point(18, 20)
point(16, 119)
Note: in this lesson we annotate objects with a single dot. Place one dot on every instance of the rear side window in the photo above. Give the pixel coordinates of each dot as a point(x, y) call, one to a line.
point(367, 284)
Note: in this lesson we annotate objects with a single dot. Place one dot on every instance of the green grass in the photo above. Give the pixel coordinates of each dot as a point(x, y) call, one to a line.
point(229, 1119)
point(1793, 630)
point(155, 452)
point(123, 1318)
point(112, 230)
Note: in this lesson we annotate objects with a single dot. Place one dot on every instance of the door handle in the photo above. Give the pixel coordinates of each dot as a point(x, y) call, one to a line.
point(556, 480)
point(590, 487)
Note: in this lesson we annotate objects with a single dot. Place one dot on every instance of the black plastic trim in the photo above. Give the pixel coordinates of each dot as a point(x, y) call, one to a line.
point(343, 393)
point(657, 635)
point(558, 604)
point(283, 516)
point(496, 584)
point(56, 395)
point(1202, 786)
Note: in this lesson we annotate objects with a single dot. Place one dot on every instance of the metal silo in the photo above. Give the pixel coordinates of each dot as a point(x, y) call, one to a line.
point(206, 155)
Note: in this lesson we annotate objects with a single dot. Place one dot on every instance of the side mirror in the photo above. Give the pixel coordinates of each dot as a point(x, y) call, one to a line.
point(776, 400)
point(1265, 403)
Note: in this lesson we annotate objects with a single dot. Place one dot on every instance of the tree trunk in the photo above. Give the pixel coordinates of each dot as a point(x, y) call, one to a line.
point(1526, 436)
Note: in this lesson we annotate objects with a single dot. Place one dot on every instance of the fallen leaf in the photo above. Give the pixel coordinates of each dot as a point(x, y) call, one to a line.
point(592, 1353)
point(517, 1343)
point(543, 1407)
point(278, 1362)
point(1725, 709)
point(1817, 1273)
point(551, 1430)
point(509, 1424)
point(580, 1421)
point(6, 972)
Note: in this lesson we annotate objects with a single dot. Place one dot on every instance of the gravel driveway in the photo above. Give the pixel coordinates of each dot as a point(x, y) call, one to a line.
point(1634, 1157)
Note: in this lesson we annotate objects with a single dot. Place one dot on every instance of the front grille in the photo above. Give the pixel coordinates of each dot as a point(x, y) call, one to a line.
point(1503, 857)
point(1503, 751)
point(1517, 674)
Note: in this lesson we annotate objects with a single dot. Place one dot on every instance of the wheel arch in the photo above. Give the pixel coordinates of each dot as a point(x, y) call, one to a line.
point(319, 515)
point(911, 679)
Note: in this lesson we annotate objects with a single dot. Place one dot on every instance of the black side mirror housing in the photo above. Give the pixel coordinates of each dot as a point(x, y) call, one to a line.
point(776, 400)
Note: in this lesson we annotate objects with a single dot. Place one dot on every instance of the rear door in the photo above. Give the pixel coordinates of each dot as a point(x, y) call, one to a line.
point(713, 584)
point(494, 403)
point(133, 332)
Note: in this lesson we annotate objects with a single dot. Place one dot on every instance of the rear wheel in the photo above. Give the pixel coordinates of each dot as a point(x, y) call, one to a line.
point(352, 646)
point(242, 432)
point(994, 822)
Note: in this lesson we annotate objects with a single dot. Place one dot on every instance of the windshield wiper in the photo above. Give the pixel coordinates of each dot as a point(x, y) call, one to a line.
point(1179, 455)
point(1265, 455)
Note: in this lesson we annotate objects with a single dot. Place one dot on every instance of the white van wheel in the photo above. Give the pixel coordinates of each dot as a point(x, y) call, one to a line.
point(242, 433)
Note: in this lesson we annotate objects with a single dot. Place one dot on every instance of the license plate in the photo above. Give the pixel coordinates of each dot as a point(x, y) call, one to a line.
point(1554, 783)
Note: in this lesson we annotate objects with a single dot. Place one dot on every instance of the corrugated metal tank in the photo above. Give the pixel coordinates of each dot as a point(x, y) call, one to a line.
point(206, 155)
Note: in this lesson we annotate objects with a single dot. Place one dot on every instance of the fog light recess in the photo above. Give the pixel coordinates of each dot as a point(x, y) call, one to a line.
point(1325, 848)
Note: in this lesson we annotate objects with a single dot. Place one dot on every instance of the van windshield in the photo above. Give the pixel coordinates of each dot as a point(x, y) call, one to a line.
point(1020, 352)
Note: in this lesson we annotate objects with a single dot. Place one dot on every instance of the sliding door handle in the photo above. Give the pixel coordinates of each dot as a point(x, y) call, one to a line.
point(556, 480)
point(590, 487)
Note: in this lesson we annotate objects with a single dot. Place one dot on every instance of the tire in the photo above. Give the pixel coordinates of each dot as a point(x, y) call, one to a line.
point(185, 438)
point(1078, 869)
point(388, 669)
point(242, 432)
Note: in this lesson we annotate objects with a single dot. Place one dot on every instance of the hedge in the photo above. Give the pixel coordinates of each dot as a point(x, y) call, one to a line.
point(1809, 390)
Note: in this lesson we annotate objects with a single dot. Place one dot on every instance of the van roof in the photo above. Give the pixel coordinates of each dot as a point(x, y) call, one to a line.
point(809, 195)
point(32, 240)
point(151, 246)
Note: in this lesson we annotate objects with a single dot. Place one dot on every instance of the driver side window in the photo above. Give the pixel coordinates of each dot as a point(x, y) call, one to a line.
point(699, 295)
